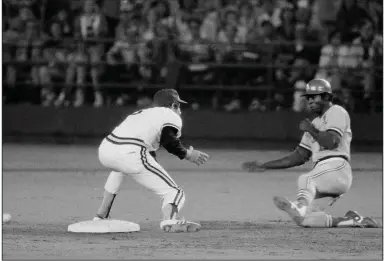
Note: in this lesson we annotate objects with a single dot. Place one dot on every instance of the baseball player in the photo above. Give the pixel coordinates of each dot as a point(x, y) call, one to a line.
point(327, 139)
point(130, 150)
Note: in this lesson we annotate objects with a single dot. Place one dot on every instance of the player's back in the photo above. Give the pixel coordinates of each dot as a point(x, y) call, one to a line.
point(336, 119)
point(145, 126)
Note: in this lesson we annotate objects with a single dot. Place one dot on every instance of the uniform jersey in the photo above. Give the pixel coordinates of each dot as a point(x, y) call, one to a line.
point(144, 127)
point(337, 119)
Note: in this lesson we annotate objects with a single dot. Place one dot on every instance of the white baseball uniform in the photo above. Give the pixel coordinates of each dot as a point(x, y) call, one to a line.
point(127, 152)
point(332, 173)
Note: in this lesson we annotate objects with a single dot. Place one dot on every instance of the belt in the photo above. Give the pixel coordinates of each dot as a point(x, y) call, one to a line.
point(329, 157)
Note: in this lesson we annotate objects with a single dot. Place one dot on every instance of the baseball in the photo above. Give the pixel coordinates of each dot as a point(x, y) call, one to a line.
point(6, 217)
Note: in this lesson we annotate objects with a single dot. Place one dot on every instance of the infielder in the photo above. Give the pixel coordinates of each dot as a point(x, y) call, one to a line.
point(130, 150)
point(327, 139)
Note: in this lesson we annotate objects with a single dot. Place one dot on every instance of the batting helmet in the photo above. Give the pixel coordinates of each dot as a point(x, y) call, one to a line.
point(317, 86)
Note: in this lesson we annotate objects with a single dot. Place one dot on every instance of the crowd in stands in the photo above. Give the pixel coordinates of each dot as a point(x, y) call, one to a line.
point(108, 53)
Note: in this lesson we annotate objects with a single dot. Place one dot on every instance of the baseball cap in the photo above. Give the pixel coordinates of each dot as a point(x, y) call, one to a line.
point(167, 97)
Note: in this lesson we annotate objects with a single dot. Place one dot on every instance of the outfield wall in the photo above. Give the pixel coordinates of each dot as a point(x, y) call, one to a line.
point(29, 120)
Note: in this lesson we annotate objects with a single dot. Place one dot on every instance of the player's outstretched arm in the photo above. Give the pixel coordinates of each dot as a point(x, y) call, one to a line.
point(172, 144)
point(298, 157)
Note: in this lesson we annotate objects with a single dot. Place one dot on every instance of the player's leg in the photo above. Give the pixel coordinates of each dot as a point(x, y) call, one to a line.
point(111, 189)
point(155, 178)
point(328, 179)
point(122, 161)
point(351, 219)
point(332, 178)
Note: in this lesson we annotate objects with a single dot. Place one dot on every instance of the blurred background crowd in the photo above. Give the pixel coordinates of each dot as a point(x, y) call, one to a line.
point(231, 55)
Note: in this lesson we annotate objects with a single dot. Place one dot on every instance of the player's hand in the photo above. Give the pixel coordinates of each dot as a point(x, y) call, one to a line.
point(253, 166)
point(306, 125)
point(196, 156)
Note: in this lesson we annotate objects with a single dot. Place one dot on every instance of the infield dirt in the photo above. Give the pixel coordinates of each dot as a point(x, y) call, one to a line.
point(46, 188)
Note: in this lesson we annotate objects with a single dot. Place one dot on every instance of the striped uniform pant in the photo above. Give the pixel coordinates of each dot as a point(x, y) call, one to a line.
point(131, 157)
point(329, 178)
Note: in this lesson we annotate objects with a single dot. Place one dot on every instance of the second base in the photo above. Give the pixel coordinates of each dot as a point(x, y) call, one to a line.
point(104, 226)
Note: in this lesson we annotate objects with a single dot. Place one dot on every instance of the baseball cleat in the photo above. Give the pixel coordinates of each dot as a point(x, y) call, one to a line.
point(177, 226)
point(354, 215)
point(287, 206)
point(370, 223)
point(361, 221)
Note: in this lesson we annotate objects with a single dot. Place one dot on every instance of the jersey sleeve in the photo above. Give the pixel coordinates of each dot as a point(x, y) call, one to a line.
point(172, 119)
point(337, 121)
point(306, 141)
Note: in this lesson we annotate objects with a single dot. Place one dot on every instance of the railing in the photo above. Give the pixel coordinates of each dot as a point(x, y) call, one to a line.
point(215, 67)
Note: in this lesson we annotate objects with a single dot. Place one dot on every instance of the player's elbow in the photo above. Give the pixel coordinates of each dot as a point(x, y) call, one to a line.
point(330, 141)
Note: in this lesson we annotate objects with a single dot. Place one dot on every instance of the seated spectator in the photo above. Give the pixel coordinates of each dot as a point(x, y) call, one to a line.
point(246, 15)
point(349, 18)
point(367, 50)
point(231, 20)
point(62, 18)
point(269, 11)
point(76, 70)
point(30, 50)
point(332, 61)
point(90, 26)
point(288, 24)
point(55, 53)
point(374, 9)
point(25, 15)
point(10, 39)
point(299, 76)
point(196, 51)
point(305, 45)
point(261, 48)
point(211, 21)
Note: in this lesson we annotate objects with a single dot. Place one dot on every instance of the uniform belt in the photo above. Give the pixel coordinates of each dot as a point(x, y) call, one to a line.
point(330, 157)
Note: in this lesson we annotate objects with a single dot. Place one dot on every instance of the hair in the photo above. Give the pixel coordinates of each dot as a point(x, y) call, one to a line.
point(327, 96)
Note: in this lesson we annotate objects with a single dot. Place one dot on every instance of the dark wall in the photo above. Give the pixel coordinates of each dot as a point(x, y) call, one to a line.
point(91, 122)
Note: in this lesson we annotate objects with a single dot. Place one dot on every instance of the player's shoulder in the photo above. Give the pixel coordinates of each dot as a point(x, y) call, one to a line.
point(168, 115)
point(337, 109)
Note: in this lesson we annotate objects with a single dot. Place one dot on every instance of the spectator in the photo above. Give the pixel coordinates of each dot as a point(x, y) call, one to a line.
point(30, 50)
point(63, 20)
point(298, 78)
point(246, 19)
point(261, 49)
point(303, 13)
point(55, 53)
point(367, 49)
point(288, 24)
point(196, 51)
point(349, 18)
point(159, 12)
point(77, 61)
point(345, 99)
point(90, 26)
point(269, 11)
point(25, 15)
point(374, 10)
point(10, 39)
point(332, 59)
point(231, 20)
point(211, 22)
point(304, 45)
